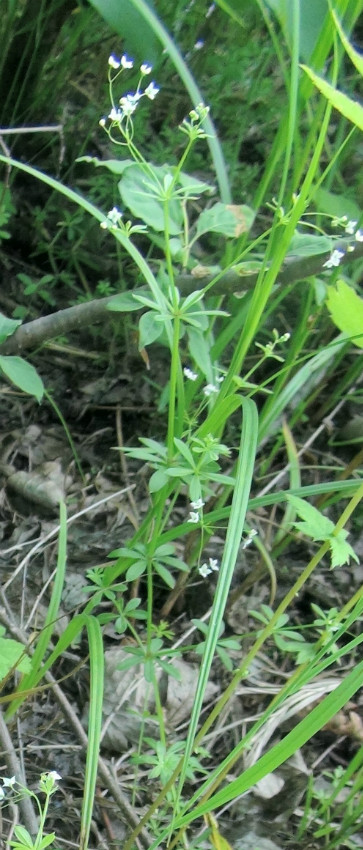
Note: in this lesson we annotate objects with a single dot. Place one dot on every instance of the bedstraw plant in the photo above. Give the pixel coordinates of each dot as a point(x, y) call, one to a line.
point(232, 371)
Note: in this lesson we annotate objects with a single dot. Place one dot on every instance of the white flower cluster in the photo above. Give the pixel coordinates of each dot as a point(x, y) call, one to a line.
point(206, 569)
point(194, 515)
point(113, 219)
point(129, 102)
point(209, 389)
point(47, 782)
point(350, 227)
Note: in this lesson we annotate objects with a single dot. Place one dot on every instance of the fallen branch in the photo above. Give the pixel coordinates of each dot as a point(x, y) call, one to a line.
point(35, 333)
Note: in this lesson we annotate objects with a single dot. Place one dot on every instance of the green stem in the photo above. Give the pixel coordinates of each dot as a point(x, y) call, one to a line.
point(174, 368)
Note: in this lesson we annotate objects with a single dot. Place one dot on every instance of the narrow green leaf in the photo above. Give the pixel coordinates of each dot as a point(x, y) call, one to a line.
point(238, 510)
point(270, 761)
point(164, 574)
point(96, 655)
point(136, 570)
point(124, 303)
point(353, 54)
point(185, 451)
point(351, 109)
point(117, 166)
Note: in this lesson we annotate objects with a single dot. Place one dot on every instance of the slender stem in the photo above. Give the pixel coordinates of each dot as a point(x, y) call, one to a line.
point(174, 368)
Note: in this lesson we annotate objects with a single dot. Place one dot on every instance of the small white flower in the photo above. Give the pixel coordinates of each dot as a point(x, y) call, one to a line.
point(197, 505)
point(113, 218)
point(209, 390)
point(129, 103)
point(189, 374)
point(210, 10)
point(151, 91)
point(126, 62)
point(114, 62)
point(359, 236)
point(248, 540)
point(114, 215)
point(193, 516)
point(54, 775)
point(334, 259)
point(9, 783)
point(116, 114)
point(199, 44)
point(350, 227)
point(145, 68)
point(102, 122)
point(204, 571)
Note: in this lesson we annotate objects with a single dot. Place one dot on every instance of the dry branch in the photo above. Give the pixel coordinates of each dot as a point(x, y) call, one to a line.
point(35, 333)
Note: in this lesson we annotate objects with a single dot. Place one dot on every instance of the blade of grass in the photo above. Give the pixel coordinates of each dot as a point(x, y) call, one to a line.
point(96, 655)
point(233, 537)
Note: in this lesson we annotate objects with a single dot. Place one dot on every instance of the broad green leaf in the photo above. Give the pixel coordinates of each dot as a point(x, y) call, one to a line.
point(319, 527)
point(351, 109)
point(140, 192)
point(341, 551)
point(136, 34)
point(305, 244)
point(23, 375)
point(149, 329)
point(7, 327)
point(228, 219)
point(346, 309)
point(314, 524)
point(312, 13)
point(10, 655)
point(338, 205)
